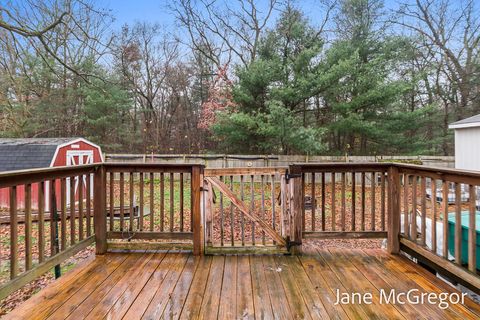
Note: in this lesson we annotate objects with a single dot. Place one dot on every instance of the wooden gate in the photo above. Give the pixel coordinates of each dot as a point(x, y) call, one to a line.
point(246, 210)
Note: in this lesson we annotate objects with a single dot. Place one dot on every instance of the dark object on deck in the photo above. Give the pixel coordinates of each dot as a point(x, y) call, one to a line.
point(309, 203)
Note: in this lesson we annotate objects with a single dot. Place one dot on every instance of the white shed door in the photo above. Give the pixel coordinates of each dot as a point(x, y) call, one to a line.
point(75, 158)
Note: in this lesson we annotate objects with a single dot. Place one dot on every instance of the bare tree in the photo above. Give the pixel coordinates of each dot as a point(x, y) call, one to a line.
point(223, 30)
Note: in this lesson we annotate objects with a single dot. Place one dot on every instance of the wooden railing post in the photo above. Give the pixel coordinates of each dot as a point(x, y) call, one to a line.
point(296, 206)
point(393, 231)
point(99, 210)
point(197, 221)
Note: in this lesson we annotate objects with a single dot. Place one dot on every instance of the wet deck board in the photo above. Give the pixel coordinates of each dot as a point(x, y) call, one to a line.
point(176, 285)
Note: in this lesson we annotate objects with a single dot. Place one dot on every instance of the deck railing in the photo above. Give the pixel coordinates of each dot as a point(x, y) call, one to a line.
point(39, 237)
point(141, 206)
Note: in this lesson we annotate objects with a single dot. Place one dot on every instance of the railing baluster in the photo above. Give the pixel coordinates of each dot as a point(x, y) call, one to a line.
point(88, 204)
point(445, 192)
point(353, 201)
point(112, 202)
point(122, 201)
point(80, 208)
point(362, 212)
point(141, 200)
point(241, 214)
point(181, 202)
point(413, 219)
point(222, 222)
point(63, 213)
point(28, 227)
point(130, 202)
point(373, 184)
point(232, 221)
point(406, 226)
point(152, 203)
point(382, 195)
point(162, 201)
point(334, 222)
point(313, 201)
point(172, 204)
point(53, 216)
point(458, 224)
point(252, 206)
point(423, 206)
point(433, 199)
point(263, 205)
point(323, 201)
point(273, 204)
point(472, 230)
point(344, 201)
point(13, 233)
point(41, 221)
point(303, 199)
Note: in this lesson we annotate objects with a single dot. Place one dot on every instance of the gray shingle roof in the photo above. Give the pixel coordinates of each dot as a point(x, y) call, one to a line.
point(473, 119)
point(18, 154)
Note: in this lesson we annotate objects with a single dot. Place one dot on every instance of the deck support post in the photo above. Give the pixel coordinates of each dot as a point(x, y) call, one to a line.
point(296, 207)
point(99, 210)
point(393, 236)
point(197, 220)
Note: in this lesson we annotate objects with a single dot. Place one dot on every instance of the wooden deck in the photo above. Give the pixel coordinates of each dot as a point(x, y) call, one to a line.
point(178, 285)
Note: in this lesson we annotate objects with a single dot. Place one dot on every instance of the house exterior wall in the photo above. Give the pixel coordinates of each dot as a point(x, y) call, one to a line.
point(467, 148)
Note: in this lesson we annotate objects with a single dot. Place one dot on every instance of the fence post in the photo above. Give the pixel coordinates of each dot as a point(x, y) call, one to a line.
point(296, 206)
point(99, 210)
point(393, 242)
point(197, 221)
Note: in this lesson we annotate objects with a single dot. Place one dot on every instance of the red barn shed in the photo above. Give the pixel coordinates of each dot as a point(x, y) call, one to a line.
point(30, 153)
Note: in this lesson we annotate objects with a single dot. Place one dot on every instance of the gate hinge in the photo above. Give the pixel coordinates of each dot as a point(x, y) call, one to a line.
point(291, 244)
point(289, 176)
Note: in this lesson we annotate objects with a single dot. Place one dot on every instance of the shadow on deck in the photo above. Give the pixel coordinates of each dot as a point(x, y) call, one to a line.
point(175, 285)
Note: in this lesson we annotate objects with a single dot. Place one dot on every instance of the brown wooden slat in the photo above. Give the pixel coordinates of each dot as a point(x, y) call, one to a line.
point(445, 217)
point(274, 220)
point(172, 197)
point(353, 202)
point(344, 201)
point(314, 201)
point(232, 221)
point(131, 184)
point(112, 200)
point(196, 183)
point(63, 213)
point(162, 201)
point(41, 221)
point(13, 233)
point(413, 223)
point(122, 201)
point(423, 208)
point(406, 226)
point(382, 201)
point(323, 201)
point(141, 201)
point(433, 199)
point(182, 195)
point(152, 208)
point(242, 214)
point(222, 222)
point(362, 210)
point(458, 224)
point(252, 206)
point(263, 204)
point(28, 227)
point(333, 207)
point(80, 208)
point(472, 234)
point(373, 191)
point(88, 204)
point(54, 217)
point(215, 172)
point(303, 200)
